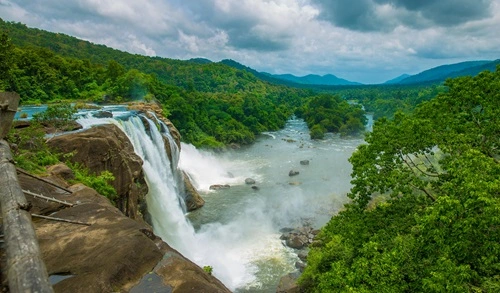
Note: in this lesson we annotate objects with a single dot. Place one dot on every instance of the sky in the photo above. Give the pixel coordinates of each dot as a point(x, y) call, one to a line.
point(367, 41)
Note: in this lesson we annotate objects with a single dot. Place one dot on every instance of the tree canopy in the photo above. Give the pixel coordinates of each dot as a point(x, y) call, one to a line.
point(425, 211)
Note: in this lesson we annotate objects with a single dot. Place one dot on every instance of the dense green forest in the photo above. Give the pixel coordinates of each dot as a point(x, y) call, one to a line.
point(425, 211)
point(211, 104)
point(330, 113)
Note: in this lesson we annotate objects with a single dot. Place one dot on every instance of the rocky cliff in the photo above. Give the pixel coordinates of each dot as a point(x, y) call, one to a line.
point(107, 248)
point(102, 250)
point(106, 147)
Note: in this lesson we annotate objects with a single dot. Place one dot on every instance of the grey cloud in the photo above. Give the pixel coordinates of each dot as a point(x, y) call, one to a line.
point(448, 12)
point(240, 26)
point(351, 14)
point(362, 15)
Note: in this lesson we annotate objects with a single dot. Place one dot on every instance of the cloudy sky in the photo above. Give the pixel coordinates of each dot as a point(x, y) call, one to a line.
point(368, 41)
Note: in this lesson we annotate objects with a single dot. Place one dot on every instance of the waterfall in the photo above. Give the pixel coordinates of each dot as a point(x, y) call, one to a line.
point(226, 247)
point(164, 205)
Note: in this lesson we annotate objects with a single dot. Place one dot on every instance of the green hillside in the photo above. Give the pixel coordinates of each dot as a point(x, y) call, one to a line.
point(212, 104)
point(441, 73)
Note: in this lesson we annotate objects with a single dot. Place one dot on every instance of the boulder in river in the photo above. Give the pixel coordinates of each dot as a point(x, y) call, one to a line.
point(219, 186)
point(293, 173)
point(193, 199)
point(102, 114)
point(304, 162)
point(288, 284)
point(298, 238)
point(249, 181)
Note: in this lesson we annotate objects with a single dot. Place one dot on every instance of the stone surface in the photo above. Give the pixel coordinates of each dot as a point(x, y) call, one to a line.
point(298, 238)
point(288, 284)
point(114, 253)
point(193, 199)
point(8, 107)
point(249, 181)
point(106, 147)
point(61, 170)
point(219, 186)
point(102, 114)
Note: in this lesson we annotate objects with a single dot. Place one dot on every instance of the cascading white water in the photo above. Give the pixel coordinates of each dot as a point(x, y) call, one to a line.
point(164, 206)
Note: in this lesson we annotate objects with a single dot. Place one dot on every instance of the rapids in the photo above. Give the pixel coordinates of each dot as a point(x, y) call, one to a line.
point(243, 224)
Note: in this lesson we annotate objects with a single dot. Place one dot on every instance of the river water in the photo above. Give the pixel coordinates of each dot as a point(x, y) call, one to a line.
point(241, 224)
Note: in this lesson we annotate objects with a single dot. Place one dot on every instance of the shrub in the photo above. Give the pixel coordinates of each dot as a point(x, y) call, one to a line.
point(101, 182)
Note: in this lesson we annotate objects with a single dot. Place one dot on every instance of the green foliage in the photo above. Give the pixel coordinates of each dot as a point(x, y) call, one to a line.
point(31, 153)
point(208, 269)
point(56, 115)
point(5, 60)
point(438, 231)
point(101, 183)
point(386, 100)
point(330, 113)
point(317, 132)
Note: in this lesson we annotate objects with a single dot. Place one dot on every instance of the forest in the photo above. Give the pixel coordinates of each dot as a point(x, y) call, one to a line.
point(212, 104)
point(425, 210)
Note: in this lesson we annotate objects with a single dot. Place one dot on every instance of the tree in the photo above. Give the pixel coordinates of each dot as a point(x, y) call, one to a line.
point(5, 60)
point(426, 201)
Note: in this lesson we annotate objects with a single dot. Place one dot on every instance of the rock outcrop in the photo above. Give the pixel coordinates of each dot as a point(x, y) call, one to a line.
point(112, 253)
point(106, 147)
point(192, 198)
point(288, 284)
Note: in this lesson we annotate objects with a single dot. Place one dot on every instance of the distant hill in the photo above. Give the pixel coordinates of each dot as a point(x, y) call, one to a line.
point(200, 60)
point(443, 72)
point(313, 79)
point(396, 80)
point(261, 75)
point(289, 79)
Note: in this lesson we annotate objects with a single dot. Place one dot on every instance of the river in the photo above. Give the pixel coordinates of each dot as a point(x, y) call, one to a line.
point(241, 224)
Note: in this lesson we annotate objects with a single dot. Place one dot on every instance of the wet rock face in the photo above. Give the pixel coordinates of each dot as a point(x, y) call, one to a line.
point(106, 147)
point(288, 284)
point(300, 239)
point(193, 199)
point(148, 108)
point(249, 181)
point(219, 186)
